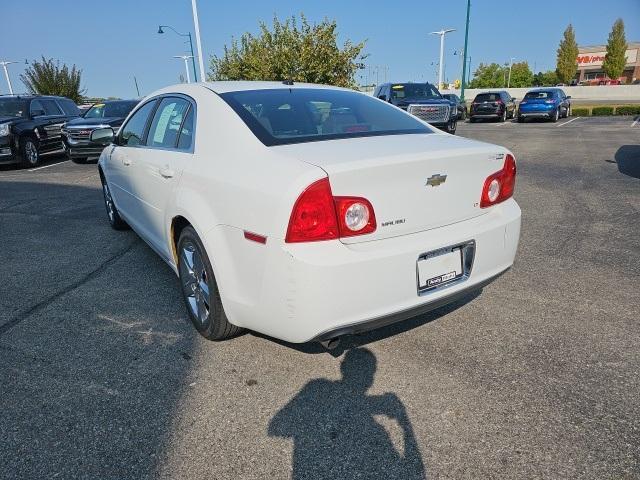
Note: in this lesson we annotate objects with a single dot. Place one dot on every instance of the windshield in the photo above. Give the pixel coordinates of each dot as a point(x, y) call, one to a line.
point(110, 109)
point(13, 107)
point(534, 95)
point(417, 91)
point(282, 116)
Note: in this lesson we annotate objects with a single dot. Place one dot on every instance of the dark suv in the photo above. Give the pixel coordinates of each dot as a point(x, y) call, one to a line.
point(31, 125)
point(76, 133)
point(422, 100)
point(494, 105)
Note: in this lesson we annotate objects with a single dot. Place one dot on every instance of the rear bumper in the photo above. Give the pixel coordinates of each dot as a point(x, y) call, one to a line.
point(485, 115)
point(536, 114)
point(303, 292)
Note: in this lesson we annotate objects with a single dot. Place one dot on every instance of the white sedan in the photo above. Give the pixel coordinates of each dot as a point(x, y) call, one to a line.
point(307, 212)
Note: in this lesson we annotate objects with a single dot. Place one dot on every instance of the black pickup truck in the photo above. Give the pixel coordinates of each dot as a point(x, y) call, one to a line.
point(76, 133)
point(30, 125)
point(422, 100)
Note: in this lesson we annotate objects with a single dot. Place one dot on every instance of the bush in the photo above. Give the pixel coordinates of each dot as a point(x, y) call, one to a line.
point(580, 112)
point(628, 110)
point(602, 111)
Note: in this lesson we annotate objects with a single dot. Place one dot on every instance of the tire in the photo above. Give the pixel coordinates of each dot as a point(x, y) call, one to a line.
point(29, 152)
point(200, 290)
point(452, 126)
point(503, 118)
point(520, 119)
point(556, 115)
point(79, 160)
point(115, 220)
point(472, 120)
point(568, 111)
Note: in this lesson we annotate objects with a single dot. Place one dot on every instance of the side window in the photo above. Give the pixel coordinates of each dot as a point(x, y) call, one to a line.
point(132, 134)
point(51, 107)
point(186, 132)
point(165, 127)
point(36, 108)
point(69, 108)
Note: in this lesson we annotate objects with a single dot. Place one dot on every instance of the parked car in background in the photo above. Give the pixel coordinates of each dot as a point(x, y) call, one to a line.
point(282, 207)
point(30, 125)
point(460, 105)
point(550, 103)
point(76, 133)
point(498, 105)
point(422, 100)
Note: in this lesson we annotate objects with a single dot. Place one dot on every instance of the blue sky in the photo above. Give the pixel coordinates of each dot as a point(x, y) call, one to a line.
point(114, 40)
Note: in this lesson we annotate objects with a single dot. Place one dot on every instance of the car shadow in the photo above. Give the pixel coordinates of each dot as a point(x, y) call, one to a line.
point(628, 160)
point(354, 341)
point(337, 432)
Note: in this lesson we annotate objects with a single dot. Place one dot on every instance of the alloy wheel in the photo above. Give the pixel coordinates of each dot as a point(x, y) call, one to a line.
point(108, 202)
point(31, 152)
point(195, 282)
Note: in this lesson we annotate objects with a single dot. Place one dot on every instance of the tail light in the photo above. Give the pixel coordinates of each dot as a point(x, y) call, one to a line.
point(318, 215)
point(499, 186)
point(549, 101)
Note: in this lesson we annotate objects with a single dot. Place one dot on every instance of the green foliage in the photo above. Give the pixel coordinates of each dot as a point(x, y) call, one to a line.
point(628, 110)
point(546, 79)
point(521, 75)
point(49, 78)
point(615, 59)
point(300, 52)
point(567, 59)
point(496, 76)
point(580, 112)
point(600, 111)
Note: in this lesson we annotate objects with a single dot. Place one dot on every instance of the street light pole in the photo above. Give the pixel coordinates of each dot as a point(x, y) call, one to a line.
point(186, 64)
point(510, 67)
point(442, 33)
point(196, 24)
point(6, 75)
point(188, 34)
point(464, 53)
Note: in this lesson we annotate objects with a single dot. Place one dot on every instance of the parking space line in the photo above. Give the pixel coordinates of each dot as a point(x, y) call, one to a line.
point(47, 166)
point(565, 123)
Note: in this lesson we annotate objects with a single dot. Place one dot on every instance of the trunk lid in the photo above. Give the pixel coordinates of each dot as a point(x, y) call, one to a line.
point(403, 177)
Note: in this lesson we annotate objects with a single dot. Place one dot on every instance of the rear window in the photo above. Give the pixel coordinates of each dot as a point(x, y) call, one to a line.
point(487, 97)
point(297, 115)
point(542, 94)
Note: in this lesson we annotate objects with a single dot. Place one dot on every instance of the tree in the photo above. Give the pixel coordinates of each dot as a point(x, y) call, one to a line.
point(567, 59)
point(548, 78)
point(615, 58)
point(488, 76)
point(302, 53)
point(521, 75)
point(49, 78)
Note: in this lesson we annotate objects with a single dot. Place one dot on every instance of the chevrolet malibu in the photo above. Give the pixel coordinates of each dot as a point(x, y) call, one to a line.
point(307, 212)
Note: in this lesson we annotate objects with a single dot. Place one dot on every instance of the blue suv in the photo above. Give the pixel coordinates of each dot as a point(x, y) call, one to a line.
point(550, 103)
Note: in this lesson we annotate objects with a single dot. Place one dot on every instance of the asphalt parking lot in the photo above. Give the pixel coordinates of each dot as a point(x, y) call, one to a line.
point(102, 375)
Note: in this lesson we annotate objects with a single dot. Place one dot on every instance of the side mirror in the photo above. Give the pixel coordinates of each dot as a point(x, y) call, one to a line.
point(102, 136)
point(37, 113)
point(513, 99)
point(568, 97)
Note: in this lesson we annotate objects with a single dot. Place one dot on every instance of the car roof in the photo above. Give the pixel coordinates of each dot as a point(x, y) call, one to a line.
point(243, 85)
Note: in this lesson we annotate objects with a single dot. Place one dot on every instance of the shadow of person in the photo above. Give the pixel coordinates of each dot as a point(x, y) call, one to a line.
point(335, 433)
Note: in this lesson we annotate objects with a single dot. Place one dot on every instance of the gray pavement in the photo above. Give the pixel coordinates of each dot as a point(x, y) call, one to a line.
point(102, 376)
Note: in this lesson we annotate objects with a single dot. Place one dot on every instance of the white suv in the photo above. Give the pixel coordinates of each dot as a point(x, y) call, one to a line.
point(307, 212)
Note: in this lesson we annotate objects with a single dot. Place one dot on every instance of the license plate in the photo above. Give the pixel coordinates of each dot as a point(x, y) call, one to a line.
point(439, 269)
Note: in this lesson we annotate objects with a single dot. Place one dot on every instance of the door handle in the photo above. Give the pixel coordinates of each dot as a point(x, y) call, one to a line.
point(166, 172)
point(126, 162)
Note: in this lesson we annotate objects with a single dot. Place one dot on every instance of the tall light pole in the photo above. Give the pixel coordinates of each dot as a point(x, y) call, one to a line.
point(464, 53)
point(186, 64)
point(188, 34)
point(6, 74)
point(510, 67)
point(442, 33)
point(196, 24)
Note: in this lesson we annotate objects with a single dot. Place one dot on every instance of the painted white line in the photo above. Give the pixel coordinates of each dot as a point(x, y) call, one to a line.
point(635, 122)
point(500, 124)
point(565, 123)
point(47, 166)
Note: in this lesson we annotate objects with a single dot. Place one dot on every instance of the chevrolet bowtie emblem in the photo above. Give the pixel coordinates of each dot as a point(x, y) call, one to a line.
point(436, 180)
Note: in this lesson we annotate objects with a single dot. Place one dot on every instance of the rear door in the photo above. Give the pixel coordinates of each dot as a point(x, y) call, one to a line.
point(55, 118)
point(169, 147)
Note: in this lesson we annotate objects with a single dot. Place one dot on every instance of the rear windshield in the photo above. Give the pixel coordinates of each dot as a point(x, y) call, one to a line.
point(487, 97)
point(110, 109)
point(283, 116)
point(534, 95)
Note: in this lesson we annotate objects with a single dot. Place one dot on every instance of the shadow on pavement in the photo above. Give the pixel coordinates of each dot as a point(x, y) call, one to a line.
point(628, 160)
point(335, 432)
